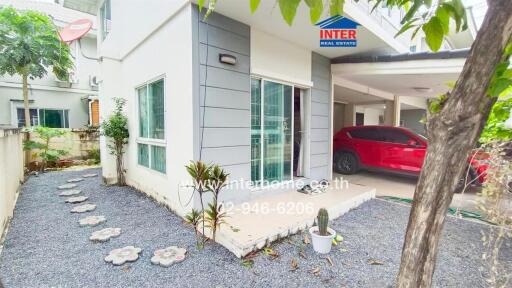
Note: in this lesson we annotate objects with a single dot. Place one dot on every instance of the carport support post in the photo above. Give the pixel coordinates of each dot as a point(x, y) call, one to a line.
point(396, 111)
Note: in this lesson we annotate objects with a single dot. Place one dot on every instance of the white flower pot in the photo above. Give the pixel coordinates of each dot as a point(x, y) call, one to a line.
point(321, 244)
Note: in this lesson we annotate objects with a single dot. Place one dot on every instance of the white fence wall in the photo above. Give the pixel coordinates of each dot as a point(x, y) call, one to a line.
point(11, 172)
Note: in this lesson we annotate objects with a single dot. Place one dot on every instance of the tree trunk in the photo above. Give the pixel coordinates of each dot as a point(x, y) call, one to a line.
point(452, 132)
point(119, 163)
point(25, 101)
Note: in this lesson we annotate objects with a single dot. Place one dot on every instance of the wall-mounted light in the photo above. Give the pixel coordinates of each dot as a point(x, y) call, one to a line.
point(227, 59)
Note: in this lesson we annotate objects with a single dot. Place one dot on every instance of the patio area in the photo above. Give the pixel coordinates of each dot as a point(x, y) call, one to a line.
point(46, 247)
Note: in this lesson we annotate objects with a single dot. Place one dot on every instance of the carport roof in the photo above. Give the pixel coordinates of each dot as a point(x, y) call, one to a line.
point(449, 54)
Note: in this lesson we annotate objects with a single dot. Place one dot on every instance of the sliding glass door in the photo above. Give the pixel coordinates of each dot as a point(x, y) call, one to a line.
point(271, 131)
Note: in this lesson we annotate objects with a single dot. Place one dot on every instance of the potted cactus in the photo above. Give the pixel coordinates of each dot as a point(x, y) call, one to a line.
point(322, 235)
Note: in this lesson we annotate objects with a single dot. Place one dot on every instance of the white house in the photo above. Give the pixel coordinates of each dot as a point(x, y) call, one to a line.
point(54, 103)
point(249, 92)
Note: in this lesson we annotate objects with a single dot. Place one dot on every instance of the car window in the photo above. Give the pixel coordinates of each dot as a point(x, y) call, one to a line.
point(394, 136)
point(371, 134)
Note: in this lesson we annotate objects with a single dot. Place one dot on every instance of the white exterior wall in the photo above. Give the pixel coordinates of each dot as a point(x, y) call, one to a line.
point(146, 62)
point(278, 59)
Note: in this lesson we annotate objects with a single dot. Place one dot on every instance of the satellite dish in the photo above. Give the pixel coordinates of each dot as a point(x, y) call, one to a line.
point(75, 30)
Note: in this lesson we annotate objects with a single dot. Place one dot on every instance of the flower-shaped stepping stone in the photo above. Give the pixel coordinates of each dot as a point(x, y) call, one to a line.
point(74, 180)
point(168, 256)
point(89, 175)
point(122, 255)
point(104, 235)
point(71, 192)
point(92, 220)
point(83, 208)
point(76, 199)
point(67, 186)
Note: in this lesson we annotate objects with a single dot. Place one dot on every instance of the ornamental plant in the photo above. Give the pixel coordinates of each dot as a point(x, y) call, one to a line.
point(116, 129)
point(207, 179)
point(42, 145)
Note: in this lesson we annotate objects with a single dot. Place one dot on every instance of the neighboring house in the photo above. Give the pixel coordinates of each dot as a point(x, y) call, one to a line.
point(249, 92)
point(55, 103)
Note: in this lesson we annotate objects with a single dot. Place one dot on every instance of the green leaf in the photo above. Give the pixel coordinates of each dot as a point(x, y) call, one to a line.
point(444, 17)
point(200, 4)
point(316, 7)
point(289, 9)
point(406, 27)
point(254, 5)
point(434, 33)
point(499, 86)
point(336, 7)
point(412, 11)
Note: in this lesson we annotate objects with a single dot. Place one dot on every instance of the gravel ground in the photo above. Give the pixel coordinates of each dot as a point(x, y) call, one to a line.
point(45, 247)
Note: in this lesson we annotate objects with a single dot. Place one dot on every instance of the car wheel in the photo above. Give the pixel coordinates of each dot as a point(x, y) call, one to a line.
point(463, 183)
point(346, 163)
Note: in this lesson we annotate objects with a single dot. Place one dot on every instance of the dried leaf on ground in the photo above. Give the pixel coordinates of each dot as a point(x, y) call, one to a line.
point(315, 271)
point(375, 262)
point(294, 265)
point(127, 268)
point(302, 254)
point(306, 239)
point(329, 260)
point(251, 255)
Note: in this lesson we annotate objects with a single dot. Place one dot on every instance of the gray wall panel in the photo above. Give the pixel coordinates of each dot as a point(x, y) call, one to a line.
point(224, 98)
point(319, 147)
point(227, 155)
point(320, 117)
point(319, 160)
point(224, 39)
point(222, 78)
point(218, 97)
point(220, 137)
point(319, 135)
point(222, 118)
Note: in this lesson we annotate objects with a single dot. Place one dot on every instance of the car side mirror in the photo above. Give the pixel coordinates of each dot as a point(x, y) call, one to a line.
point(412, 143)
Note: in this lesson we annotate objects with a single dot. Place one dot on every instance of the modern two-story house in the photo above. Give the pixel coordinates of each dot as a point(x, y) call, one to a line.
point(54, 103)
point(248, 92)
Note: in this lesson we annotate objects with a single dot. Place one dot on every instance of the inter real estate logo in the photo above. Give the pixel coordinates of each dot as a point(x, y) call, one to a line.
point(338, 31)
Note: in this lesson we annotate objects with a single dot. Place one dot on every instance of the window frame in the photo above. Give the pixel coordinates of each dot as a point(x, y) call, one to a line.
point(65, 116)
point(104, 22)
point(151, 141)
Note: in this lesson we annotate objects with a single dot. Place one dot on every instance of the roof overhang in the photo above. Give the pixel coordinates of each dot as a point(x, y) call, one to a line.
point(417, 75)
point(86, 6)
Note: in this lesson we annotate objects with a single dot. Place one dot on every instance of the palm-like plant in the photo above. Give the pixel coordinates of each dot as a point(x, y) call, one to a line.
point(29, 46)
point(214, 215)
point(200, 173)
point(194, 218)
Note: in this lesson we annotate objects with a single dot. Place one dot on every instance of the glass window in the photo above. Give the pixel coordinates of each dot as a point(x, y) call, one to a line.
point(255, 130)
point(151, 110)
point(371, 134)
point(151, 98)
point(106, 19)
point(143, 154)
point(53, 118)
point(34, 117)
point(394, 136)
point(158, 158)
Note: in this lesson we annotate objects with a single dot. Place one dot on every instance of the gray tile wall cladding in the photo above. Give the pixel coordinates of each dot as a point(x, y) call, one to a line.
point(224, 113)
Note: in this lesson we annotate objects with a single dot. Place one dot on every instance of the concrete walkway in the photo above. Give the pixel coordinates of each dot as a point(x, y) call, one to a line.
point(46, 247)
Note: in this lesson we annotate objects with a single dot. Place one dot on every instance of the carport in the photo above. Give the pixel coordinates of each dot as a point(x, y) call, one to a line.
point(391, 90)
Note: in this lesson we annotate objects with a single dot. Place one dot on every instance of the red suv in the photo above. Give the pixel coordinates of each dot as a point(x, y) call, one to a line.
point(386, 148)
